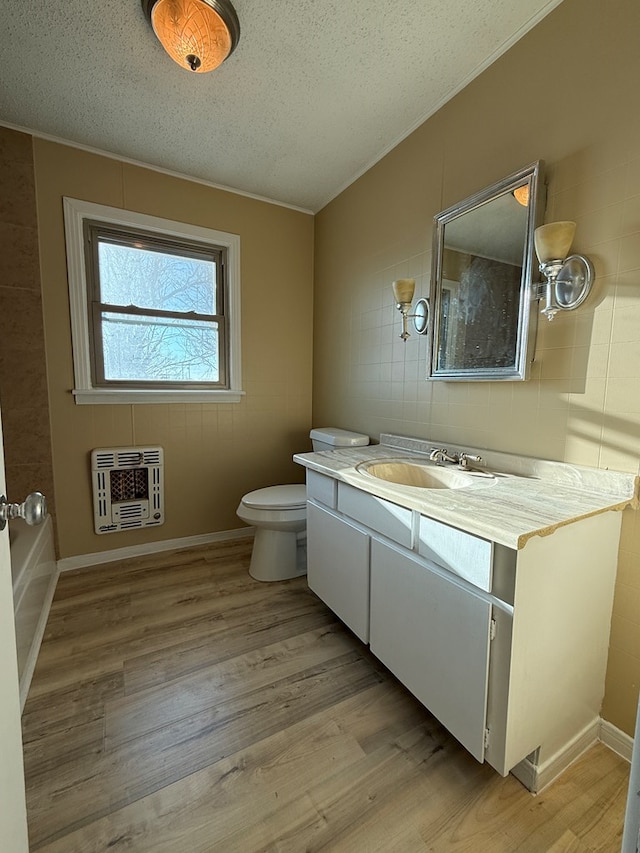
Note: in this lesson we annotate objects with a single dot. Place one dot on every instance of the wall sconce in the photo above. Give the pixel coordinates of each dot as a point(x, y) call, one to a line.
point(569, 279)
point(197, 34)
point(403, 289)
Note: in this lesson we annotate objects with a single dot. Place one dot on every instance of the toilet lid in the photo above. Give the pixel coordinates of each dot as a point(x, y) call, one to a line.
point(277, 497)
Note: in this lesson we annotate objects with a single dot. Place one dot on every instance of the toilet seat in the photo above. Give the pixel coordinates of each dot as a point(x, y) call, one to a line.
point(277, 498)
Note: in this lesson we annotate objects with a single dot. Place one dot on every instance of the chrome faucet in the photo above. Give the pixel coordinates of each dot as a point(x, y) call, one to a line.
point(440, 455)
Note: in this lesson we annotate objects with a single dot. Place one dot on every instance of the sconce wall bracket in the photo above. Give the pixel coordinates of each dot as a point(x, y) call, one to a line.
point(568, 283)
point(420, 317)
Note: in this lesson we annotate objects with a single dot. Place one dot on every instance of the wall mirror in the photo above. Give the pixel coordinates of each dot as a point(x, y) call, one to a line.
point(482, 325)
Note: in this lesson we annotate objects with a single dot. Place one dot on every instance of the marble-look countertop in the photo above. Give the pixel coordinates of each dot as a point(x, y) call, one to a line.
point(526, 497)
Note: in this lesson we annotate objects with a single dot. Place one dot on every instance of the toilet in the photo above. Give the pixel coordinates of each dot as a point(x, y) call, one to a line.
point(279, 515)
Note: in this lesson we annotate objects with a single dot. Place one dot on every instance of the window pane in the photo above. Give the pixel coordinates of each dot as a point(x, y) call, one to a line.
point(144, 349)
point(148, 279)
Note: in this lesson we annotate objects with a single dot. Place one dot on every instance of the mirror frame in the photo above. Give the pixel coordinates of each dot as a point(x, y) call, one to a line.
point(533, 176)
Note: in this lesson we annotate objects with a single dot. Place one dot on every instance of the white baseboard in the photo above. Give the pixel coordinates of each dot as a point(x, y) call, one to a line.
point(618, 741)
point(535, 777)
point(527, 773)
point(82, 561)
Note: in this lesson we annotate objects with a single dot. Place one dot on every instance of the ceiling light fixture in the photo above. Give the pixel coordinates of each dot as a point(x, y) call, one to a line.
point(521, 195)
point(197, 34)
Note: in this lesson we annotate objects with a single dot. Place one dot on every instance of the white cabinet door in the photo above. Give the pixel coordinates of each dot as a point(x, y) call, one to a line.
point(338, 567)
point(434, 636)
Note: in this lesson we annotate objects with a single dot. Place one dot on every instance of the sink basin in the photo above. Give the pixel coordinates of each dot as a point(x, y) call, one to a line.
point(422, 475)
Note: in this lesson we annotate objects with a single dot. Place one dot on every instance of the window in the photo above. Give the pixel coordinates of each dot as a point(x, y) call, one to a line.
point(154, 308)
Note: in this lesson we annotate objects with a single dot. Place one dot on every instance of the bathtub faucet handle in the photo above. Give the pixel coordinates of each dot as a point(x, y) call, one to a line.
point(33, 510)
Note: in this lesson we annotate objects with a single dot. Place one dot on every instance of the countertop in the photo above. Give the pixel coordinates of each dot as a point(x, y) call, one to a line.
point(527, 497)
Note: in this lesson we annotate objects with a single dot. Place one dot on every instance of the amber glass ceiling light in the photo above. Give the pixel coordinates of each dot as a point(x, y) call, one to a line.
point(197, 34)
point(521, 195)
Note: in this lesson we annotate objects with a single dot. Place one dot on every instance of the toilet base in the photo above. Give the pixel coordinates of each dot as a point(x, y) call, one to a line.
point(278, 555)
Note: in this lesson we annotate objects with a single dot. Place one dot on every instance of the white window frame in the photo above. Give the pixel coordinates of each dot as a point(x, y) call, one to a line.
point(75, 213)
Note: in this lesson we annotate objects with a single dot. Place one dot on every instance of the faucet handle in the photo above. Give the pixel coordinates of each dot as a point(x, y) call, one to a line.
point(442, 455)
point(465, 460)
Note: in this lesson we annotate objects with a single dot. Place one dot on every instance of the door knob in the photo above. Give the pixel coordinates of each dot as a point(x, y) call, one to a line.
point(33, 510)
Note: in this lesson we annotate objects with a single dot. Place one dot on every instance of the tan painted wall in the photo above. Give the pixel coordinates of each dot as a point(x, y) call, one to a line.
point(214, 453)
point(566, 93)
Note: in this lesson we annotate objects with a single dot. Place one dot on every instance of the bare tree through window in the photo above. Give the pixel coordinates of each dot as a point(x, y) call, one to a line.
point(156, 312)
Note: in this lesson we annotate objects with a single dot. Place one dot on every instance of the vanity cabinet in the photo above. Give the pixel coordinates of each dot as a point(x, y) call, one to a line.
point(506, 647)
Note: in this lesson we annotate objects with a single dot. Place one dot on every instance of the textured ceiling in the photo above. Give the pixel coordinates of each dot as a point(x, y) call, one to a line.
point(315, 93)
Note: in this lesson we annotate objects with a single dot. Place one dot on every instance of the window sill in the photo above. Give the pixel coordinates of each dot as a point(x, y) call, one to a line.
point(126, 396)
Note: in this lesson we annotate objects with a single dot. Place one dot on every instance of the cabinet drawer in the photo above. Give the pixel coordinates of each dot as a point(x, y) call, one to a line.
point(467, 556)
point(321, 488)
point(384, 517)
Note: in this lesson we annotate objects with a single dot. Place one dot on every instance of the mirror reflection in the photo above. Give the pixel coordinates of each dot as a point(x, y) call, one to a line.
point(480, 289)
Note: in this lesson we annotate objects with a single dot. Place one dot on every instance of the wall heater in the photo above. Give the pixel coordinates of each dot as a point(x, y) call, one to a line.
point(128, 488)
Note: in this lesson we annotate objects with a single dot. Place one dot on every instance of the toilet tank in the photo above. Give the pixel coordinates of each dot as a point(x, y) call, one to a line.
point(331, 438)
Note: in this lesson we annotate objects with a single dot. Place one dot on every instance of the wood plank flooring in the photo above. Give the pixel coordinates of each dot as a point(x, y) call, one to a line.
point(178, 705)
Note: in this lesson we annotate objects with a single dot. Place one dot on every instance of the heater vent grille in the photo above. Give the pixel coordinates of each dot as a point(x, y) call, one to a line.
point(128, 488)
point(126, 457)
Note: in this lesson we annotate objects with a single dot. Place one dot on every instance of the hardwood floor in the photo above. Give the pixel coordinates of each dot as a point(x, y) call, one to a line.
point(178, 705)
